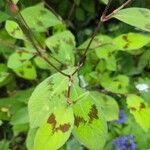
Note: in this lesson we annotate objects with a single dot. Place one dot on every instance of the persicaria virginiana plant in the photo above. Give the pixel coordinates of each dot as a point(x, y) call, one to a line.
point(60, 107)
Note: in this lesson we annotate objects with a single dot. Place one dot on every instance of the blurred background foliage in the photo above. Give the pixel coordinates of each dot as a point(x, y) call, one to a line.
point(113, 71)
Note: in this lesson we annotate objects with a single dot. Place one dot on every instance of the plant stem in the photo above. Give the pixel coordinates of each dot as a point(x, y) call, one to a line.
point(83, 57)
point(105, 17)
point(71, 11)
point(23, 25)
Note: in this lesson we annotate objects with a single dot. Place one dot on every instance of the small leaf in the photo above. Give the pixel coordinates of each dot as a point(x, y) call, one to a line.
point(56, 130)
point(39, 18)
point(14, 30)
point(131, 41)
point(142, 16)
point(20, 64)
point(140, 110)
point(117, 84)
point(62, 46)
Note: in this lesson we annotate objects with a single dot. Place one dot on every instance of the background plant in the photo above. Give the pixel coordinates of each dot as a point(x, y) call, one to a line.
point(91, 83)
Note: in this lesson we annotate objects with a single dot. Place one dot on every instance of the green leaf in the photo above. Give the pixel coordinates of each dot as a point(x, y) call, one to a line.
point(73, 144)
point(108, 104)
point(17, 128)
point(47, 95)
point(3, 16)
point(56, 130)
point(30, 138)
point(90, 126)
point(131, 41)
point(142, 16)
point(26, 71)
point(98, 42)
point(20, 64)
point(4, 145)
point(117, 84)
point(62, 46)
point(140, 110)
point(39, 18)
point(14, 30)
point(20, 117)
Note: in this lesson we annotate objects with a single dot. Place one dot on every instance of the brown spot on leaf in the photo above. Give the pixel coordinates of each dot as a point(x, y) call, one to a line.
point(50, 81)
point(42, 12)
point(147, 26)
point(126, 46)
point(40, 23)
point(64, 127)
point(52, 120)
point(132, 108)
point(93, 114)
point(14, 31)
point(22, 60)
point(142, 106)
point(21, 72)
point(125, 38)
point(79, 120)
point(29, 66)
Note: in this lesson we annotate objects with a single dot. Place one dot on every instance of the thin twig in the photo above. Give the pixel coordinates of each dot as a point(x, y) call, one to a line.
point(83, 57)
point(53, 11)
point(71, 11)
point(29, 35)
point(107, 17)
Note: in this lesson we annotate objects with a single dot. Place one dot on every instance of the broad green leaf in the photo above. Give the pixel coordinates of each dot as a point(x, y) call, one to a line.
point(47, 95)
point(4, 75)
point(4, 145)
point(62, 46)
point(30, 138)
point(140, 110)
point(56, 130)
point(3, 16)
point(108, 104)
point(20, 117)
point(117, 84)
point(14, 30)
point(39, 18)
point(20, 64)
point(131, 41)
point(90, 126)
point(137, 17)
